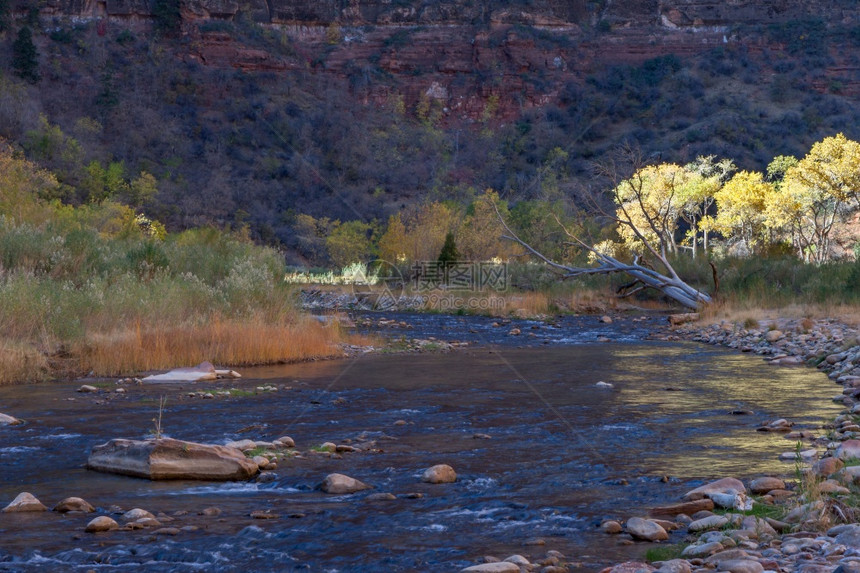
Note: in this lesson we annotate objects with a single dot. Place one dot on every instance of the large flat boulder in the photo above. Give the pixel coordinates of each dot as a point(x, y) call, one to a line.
point(725, 485)
point(167, 458)
point(200, 373)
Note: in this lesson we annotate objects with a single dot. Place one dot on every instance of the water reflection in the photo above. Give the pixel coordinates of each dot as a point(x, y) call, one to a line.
point(559, 448)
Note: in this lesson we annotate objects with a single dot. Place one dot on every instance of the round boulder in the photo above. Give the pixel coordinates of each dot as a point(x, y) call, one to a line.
point(848, 449)
point(762, 485)
point(74, 504)
point(101, 523)
point(827, 466)
point(24, 502)
point(646, 529)
point(137, 513)
point(285, 442)
point(341, 484)
point(7, 420)
point(611, 527)
point(441, 473)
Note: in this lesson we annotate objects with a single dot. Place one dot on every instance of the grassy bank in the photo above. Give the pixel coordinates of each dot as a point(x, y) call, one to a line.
point(99, 288)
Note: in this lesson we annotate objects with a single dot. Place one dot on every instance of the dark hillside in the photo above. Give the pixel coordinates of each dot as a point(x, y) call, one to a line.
point(357, 109)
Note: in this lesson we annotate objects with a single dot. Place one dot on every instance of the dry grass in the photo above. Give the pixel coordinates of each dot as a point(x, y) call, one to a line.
point(19, 362)
point(743, 311)
point(230, 342)
point(524, 305)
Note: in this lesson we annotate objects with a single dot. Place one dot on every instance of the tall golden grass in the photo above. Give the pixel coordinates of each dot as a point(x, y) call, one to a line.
point(21, 362)
point(231, 341)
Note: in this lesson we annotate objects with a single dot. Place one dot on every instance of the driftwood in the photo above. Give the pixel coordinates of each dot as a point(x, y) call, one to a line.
point(670, 284)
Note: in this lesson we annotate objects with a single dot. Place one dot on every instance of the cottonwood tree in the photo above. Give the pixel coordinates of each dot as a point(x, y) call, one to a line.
point(650, 220)
point(698, 196)
point(741, 217)
point(816, 192)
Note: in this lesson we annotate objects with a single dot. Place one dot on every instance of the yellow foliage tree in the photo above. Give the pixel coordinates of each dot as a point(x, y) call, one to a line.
point(21, 184)
point(478, 236)
point(816, 192)
point(741, 211)
point(649, 205)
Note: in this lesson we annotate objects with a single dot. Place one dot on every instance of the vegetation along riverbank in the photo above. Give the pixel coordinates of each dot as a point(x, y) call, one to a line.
point(99, 288)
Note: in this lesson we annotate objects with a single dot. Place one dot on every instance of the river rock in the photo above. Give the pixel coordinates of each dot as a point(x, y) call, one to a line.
point(101, 523)
point(202, 372)
point(686, 508)
point(763, 485)
point(24, 502)
point(645, 529)
point(441, 473)
point(675, 566)
point(167, 458)
point(678, 319)
point(630, 567)
point(243, 445)
point(498, 567)
point(808, 511)
point(611, 527)
point(827, 466)
point(773, 335)
point(341, 484)
point(710, 522)
point(285, 442)
point(137, 513)
point(759, 526)
point(517, 560)
point(833, 487)
point(381, 497)
point(724, 485)
point(848, 535)
point(74, 504)
point(7, 420)
point(740, 566)
point(702, 549)
point(731, 500)
point(848, 449)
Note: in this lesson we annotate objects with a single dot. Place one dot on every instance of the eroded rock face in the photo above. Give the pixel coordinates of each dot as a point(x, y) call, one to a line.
point(171, 459)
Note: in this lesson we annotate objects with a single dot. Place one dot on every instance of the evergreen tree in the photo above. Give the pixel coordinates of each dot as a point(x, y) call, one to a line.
point(167, 15)
point(449, 252)
point(4, 15)
point(25, 58)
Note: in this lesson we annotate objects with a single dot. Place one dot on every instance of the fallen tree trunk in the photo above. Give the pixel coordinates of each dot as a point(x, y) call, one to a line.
point(669, 284)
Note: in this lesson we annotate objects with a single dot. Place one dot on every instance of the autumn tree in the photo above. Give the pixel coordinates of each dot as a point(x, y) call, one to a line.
point(22, 184)
point(646, 210)
point(478, 234)
point(350, 242)
point(393, 243)
point(100, 183)
point(741, 205)
point(650, 204)
point(816, 192)
point(697, 196)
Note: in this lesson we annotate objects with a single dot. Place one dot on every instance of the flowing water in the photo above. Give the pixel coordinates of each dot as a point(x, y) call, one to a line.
point(563, 454)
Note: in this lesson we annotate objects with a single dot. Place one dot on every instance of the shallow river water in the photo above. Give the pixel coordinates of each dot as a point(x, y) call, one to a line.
point(563, 453)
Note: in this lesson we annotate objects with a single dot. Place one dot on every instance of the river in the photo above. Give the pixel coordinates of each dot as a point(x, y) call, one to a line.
point(563, 452)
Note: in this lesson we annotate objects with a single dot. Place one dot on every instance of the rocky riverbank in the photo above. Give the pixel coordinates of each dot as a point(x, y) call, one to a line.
point(810, 525)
